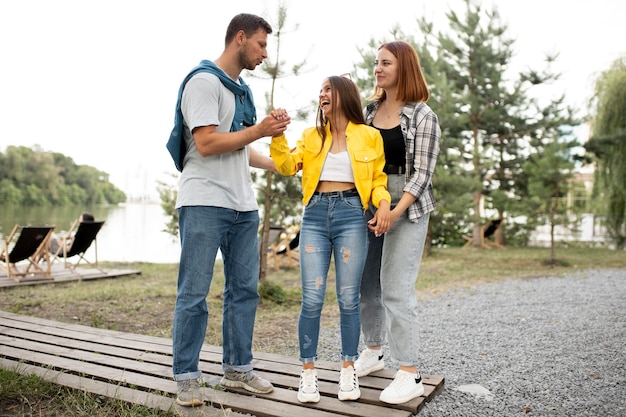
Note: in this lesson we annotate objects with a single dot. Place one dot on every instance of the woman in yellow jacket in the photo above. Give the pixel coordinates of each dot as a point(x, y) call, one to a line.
point(342, 161)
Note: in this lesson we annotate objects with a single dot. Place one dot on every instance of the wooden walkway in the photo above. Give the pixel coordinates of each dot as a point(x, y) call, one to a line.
point(137, 369)
point(58, 273)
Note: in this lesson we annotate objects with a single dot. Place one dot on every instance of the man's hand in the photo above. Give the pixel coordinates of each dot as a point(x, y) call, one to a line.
point(275, 123)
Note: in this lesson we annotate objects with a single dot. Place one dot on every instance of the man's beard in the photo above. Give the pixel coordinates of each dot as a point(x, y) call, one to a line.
point(245, 62)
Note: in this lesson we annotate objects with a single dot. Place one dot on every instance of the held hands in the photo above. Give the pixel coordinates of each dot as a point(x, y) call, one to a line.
point(281, 115)
point(381, 222)
point(275, 123)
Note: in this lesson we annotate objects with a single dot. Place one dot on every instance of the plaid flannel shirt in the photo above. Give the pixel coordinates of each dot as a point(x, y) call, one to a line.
point(422, 133)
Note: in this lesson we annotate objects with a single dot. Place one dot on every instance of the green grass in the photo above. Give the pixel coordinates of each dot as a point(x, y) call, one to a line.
point(27, 395)
point(144, 304)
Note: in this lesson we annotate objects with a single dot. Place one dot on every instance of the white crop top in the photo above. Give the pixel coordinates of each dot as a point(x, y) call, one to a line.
point(337, 167)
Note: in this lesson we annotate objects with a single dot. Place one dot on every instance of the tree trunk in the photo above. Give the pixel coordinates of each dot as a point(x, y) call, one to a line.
point(552, 248)
point(476, 236)
point(266, 226)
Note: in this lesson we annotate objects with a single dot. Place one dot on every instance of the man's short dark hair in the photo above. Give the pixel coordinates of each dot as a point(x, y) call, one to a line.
point(249, 23)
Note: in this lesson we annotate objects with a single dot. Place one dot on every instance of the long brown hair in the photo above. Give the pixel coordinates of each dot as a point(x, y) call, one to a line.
point(411, 82)
point(346, 93)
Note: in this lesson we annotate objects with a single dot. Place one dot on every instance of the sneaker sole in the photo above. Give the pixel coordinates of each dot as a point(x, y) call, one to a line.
point(309, 398)
point(349, 396)
point(240, 384)
point(192, 403)
point(402, 400)
point(366, 372)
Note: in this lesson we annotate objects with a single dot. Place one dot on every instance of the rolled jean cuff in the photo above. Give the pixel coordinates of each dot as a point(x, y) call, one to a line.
point(374, 342)
point(237, 368)
point(308, 360)
point(349, 358)
point(187, 376)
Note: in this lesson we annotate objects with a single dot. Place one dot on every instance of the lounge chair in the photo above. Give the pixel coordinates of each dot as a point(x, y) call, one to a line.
point(492, 228)
point(76, 241)
point(26, 243)
point(273, 234)
point(282, 251)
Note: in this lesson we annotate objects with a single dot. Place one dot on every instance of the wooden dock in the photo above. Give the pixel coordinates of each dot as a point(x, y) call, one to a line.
point(58, 273)
point(137, 368)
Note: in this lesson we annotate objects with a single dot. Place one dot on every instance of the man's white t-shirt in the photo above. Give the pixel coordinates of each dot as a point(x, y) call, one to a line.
point(216, 180)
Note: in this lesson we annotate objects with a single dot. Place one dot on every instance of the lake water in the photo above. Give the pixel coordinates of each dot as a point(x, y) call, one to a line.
point(131, 232)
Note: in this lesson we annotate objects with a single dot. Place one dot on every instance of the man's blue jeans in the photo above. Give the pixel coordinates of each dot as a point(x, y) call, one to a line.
point(331, 225)
point(204, 230)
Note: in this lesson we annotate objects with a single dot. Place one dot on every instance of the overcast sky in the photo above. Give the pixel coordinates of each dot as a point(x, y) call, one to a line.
point(97, 80)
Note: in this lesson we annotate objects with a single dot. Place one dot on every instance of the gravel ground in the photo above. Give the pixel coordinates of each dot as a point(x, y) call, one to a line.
point(536, 347)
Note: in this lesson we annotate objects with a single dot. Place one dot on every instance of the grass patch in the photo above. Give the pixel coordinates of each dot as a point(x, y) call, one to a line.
point(28, 395)
point(144, 304)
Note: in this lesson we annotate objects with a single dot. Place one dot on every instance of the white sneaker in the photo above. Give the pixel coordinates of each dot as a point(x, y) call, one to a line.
point(369, 361)
point(403, 388)
point(348, 385)
point(308, 391)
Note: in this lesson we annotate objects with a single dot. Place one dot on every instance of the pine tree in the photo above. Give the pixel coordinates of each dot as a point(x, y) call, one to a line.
point(495, 119)
point(279, 196)
point(549, 173)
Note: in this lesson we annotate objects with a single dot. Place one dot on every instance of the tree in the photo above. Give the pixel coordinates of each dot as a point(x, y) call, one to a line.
point(495, 120)
point(608, 145)
point(548, 175)
point(168, 194)
point(36, 177)
point(280, 196)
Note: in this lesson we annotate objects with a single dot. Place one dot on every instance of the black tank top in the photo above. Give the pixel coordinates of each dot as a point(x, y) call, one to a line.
point(395, 151)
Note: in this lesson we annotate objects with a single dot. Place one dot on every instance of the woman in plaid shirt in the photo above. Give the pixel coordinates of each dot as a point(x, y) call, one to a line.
point(411, 135)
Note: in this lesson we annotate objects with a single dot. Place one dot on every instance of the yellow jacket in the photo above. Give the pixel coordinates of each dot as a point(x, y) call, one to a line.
point(367, 156)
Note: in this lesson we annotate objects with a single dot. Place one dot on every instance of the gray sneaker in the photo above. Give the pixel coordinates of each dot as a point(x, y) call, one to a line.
point(190, 392)
point(248, 381)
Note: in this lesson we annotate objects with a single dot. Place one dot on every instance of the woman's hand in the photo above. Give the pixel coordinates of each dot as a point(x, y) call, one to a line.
point(381, 222)
point(280, 114)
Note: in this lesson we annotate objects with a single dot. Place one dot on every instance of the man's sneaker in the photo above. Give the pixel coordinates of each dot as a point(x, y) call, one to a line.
point(248, 381)
point(348, 385)
point(403, 388)
point(308, 391)
point(190, 392)
point(369, 361)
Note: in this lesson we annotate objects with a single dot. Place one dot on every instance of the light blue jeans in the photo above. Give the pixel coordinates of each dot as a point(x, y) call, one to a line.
point(331, 225)
point(204, 230)
point(389, 310)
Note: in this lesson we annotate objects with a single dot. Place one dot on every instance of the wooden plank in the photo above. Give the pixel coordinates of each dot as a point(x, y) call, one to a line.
point(120, 359)
point(85, 333)
point(130, 395)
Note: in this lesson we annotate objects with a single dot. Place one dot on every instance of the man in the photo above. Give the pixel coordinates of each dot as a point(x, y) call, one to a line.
point(217, 209)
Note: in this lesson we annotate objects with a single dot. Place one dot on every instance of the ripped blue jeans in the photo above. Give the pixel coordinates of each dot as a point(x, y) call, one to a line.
point(332, 226)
